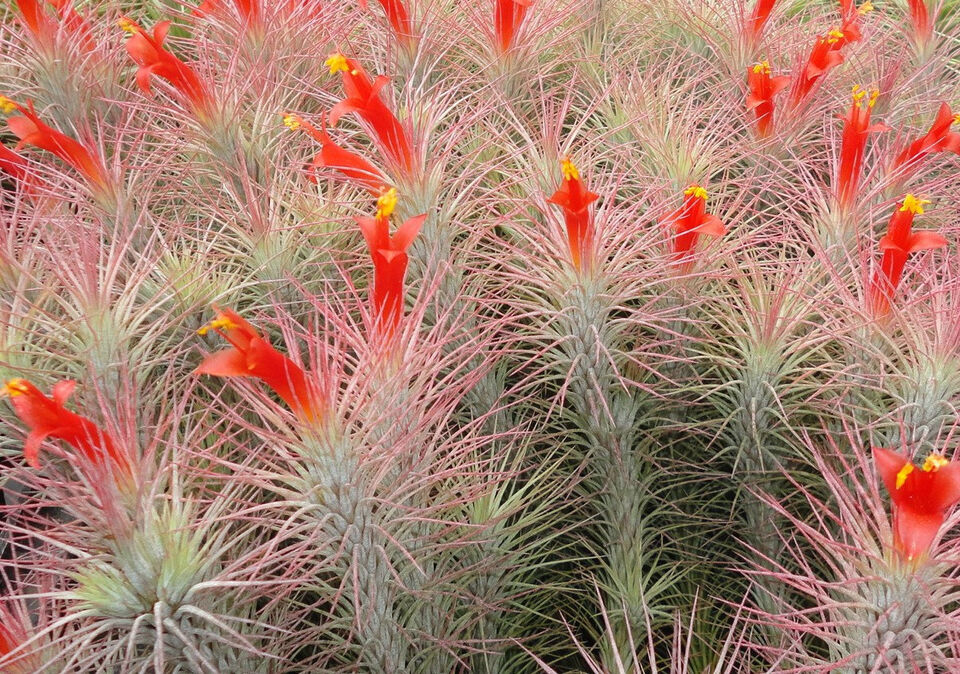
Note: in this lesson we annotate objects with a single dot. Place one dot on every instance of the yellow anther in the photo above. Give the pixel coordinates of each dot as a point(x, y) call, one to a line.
point(956, 119)
point(127, 25)
point(15, 387)
point(934, 462)
point(292, 122)
point(569, 169)
point(337, 63)
point(6, 105)
point(865, 8)
point(902, 475)
point(219, 323)
point(834, 36)
point(762, 68)
point(858, 93)
point(696, 191)
point(874, 95)
point(386, 203)
point(913, 205)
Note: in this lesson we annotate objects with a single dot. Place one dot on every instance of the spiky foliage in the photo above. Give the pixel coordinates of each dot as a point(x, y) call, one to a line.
point(615, 408)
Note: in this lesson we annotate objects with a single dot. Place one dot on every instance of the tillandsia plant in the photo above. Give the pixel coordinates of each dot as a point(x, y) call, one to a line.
point(512, 336)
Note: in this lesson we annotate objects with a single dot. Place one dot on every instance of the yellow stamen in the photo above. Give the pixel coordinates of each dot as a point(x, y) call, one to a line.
point(337, 63)
point(913, 205)
point(6, 105)
point(904, 472)
point(15, 387)
point(292, 122)
point(762, 68)
point(569, 169)
point(874, 95)
point(934, 462)
point(126, 25)
point(865, 8)
point(219, 323)
point(956, 119)
point(858, 93)
point(834, 36)
point(386, 203)
point(696, 191)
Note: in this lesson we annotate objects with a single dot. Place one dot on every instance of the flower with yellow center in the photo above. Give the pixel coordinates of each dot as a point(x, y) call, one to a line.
point(569, 169)
point(219, 323)
point(931, 464)
point(762, 68)
point(696, 191)
point(860, 94)
point(14, 387)
point(126, 25)
point(337, 63)
point(914, 205)
point(386, 203)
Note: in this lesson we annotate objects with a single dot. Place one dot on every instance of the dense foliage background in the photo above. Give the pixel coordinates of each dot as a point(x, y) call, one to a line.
point(625, 434)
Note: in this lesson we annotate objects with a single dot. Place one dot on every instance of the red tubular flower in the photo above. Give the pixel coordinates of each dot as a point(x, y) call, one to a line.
point(758, 19)
point(363, 97)
point(31, 131)
point(897, 246)
point(389, 255)
point(921, 21)
point(824, 57)
point(331, 155)
point(48, 418)
point(397, 16)
point(252, 356)
point(44, 28)
point(921, 498)
point(508, 15)
point(249, 10)
point(14, 165)
point(938, 139)
point(575, 199)
point(147, 52)
point(856, 129)
point(690, 221)
point(760, 99)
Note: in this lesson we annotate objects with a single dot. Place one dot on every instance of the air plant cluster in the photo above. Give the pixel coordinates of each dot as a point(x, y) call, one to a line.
point(516, 336)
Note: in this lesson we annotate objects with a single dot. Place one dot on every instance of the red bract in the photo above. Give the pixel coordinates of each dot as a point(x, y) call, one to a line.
point(14, 165)
point(331, 155)
point(856, 129)
point(690, 221)
point(252, 355)
point(44, 27)
point(507, 17)
point(938, 139)
point(389, 255)
point(363, 97)
point(397, 16)
point(897, 246)
point(758, 19)
point(922, 497)
point(147, 52)
point(48, 418)
point(824, 57)
point(575, 199)
point(921, 21)
point(31, 131)
point(249, 10)
point(762, 90)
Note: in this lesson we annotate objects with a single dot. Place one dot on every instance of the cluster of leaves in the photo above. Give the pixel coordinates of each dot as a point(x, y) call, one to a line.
point(544, 425)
